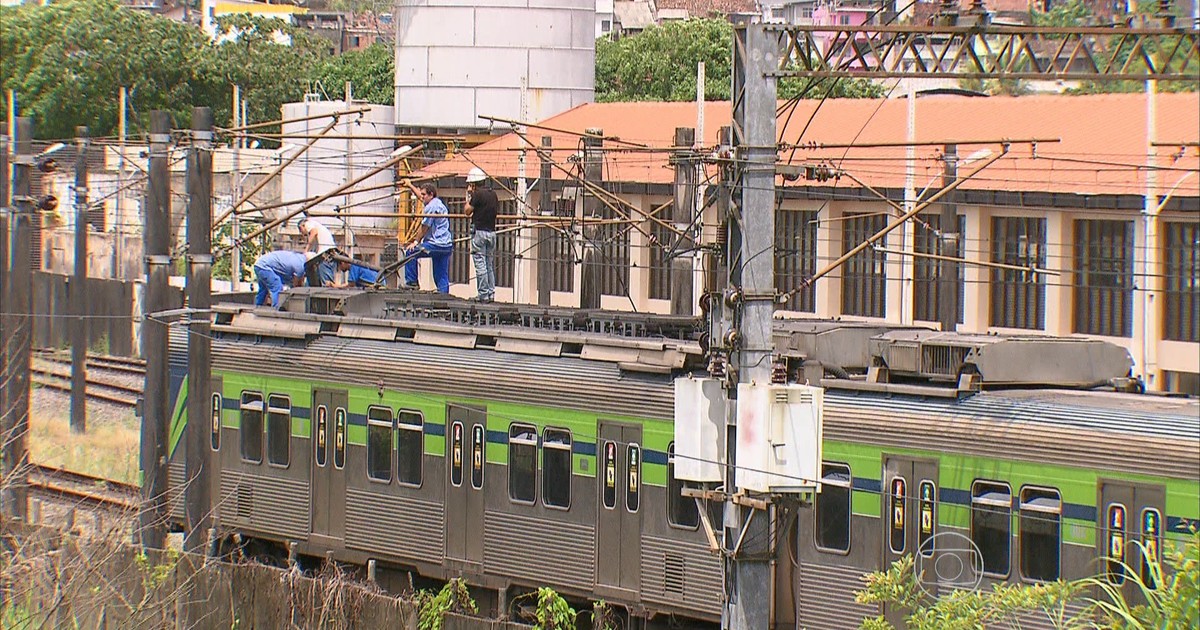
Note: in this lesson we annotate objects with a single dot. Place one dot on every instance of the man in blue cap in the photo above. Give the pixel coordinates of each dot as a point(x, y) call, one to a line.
point(275, 268)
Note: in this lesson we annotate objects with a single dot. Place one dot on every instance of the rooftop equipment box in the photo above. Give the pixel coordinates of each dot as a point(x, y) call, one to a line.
point(779, 437)
point(699, 429)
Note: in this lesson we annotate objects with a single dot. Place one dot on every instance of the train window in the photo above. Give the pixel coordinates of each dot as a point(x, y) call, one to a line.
point(1151, 546)
point(252, 427)
point(215, 424)
point(556, 468)
point(411, 446)
point(279, 430)
point(681, 510)
point(633, 493)
point(609, 491)
point(1114, 529)
point(478, 443)
point(832, 510)
point(321, 443)
point(898, 503)
point(991, 524)
point(1040, 533)
point(522, 463)
point(339, 438)
point(928, 518)
point(457, 441)
point(379, 443)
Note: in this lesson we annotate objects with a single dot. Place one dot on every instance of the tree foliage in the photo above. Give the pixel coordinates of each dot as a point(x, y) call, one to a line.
point(659, 64)
point(369, 71)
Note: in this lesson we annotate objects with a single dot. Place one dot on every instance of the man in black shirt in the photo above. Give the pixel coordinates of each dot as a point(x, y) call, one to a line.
point(482, 205)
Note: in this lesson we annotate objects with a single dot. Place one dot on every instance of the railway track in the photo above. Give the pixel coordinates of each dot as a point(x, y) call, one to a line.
point(97, 389)
point(123, 365)
point(66, 485)
point(99, 366)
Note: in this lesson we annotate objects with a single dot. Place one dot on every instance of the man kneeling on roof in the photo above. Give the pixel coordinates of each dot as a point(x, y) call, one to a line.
point(357, 276)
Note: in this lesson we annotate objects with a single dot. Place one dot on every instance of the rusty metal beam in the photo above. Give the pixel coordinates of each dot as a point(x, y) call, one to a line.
point(988, 52)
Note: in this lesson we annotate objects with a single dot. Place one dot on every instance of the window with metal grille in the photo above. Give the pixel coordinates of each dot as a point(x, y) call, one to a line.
point(611, 240)
point(410, 446)
point(279, 430)
point(1104, 278)
point(556, 247)
point(556, 468)
point(660, 267)
point(863, 275)
point(522, 463)
point(832, 511)
point(681, 510)
point(927, 271)
point(251, 427)
point(1018, 297)
point(796, 257)
point(460, 228)
point(991, 525)
point(379, 443)
point(1181, 282)
point(506, 245)
point(1040, 532)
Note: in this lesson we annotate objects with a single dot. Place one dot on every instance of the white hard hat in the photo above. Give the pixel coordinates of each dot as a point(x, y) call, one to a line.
point(476, 175)
point(309, 255)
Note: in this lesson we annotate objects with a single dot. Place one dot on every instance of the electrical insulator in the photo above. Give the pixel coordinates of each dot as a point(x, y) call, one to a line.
point(47, 203)
point(779, 371)
point(47, 165)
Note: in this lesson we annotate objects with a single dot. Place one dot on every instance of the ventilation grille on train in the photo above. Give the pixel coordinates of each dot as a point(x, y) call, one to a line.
point(673, 572)
point(245, 501)
point(943, 360)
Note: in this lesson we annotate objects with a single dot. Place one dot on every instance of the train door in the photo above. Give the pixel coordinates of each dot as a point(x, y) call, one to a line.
point(330, 421)
point(1130, 513)
point(909, 518)
point(619, 514)
point(466, 444)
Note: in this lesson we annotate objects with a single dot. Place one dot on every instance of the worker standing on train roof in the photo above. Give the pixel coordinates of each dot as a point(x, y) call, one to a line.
point(482, 206)
point(318, 239)
point(274, 268)
point(433, 239)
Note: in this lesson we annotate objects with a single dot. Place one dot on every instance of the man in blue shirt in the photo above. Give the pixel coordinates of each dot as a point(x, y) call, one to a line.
point(432, 240)
point(273, 269)
point(356, 275)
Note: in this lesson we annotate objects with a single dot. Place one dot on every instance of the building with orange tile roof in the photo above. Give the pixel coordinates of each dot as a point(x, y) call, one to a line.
point(1104, 205)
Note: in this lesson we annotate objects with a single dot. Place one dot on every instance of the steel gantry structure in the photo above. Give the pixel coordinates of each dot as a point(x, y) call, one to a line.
point(740, 293)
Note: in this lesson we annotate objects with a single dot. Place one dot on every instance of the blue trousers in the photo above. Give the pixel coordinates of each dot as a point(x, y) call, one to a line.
point(269, 283)
point(441, 265)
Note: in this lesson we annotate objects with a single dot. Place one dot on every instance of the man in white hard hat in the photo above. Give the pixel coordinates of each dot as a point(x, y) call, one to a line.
point(482, 206)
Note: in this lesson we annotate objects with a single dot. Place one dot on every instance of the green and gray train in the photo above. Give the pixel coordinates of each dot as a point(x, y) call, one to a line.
point(521, 447)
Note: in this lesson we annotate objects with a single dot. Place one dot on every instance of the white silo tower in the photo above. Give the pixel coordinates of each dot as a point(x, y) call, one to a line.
point(457, 59)
point(357, 144)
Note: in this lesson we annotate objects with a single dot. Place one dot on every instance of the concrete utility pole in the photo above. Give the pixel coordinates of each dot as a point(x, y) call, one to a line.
point(119, 246)
point(19, 306)
point(4, 315)
point(199, 295)
point(948, 226)
point(152, 518)
point(593, 250)
point(682, 213)
point(545, 266)
point(748, 578)
point(78, 295)
point(235, 185)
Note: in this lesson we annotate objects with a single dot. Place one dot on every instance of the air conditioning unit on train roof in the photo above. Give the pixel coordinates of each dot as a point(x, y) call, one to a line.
point(779, 435)
point(1002, 359)
point(699, 429)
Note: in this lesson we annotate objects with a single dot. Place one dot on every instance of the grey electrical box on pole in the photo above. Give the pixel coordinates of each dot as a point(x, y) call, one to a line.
point(203, 416)
point(78, 294)
point(152, 518)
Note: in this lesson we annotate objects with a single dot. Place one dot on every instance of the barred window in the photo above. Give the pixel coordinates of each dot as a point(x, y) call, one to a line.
point(379, 443)
point(251, 427)
point(1181, 271)
point(660, 267)
point(1104, 278)
point(927, 271)
point(506, 245)
point(279, 430)
point(864, 274)
point(1018, 298)
point(796, 257)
